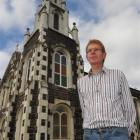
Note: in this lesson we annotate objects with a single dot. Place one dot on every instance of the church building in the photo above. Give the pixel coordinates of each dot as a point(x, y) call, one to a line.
point(38, 93)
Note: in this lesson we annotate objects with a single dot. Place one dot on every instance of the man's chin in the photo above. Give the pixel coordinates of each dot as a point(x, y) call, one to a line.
point(95, 63)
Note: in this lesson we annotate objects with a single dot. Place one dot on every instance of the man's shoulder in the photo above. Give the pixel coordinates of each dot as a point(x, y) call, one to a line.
point(115, 71)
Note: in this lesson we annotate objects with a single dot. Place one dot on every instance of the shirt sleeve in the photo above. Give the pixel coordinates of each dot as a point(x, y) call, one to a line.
point(81, 98)
point(127, 103)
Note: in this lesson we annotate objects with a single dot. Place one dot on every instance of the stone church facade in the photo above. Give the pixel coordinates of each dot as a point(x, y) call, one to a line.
point(38, 96)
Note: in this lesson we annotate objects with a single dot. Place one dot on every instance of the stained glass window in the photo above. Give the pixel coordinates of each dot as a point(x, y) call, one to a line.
point(60, 72)
point(64, 126)
point(60, 125)
point(56, 126)
point(56, 21)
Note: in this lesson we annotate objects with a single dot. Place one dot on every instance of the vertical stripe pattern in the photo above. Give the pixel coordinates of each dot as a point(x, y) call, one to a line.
point(106, 100)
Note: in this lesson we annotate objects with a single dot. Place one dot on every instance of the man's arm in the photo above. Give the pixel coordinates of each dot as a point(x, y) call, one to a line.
point(127, 103)
point(80, 98)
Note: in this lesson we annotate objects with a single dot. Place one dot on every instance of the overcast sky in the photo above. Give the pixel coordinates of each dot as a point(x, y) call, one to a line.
point(115, 22)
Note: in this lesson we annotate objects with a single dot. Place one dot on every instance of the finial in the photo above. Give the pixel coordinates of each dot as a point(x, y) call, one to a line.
point(74, 23)
point(74, 26)
point(17, 47)
point(63, 2)
point(28, 29)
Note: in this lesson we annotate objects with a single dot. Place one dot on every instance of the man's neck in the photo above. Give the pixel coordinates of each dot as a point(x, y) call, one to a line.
point(96, 68)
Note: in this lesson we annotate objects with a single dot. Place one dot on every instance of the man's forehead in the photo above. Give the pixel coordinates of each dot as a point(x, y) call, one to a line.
point(94, 45)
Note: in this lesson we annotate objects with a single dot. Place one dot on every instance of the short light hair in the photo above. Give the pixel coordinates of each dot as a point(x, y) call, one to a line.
point(98, 42)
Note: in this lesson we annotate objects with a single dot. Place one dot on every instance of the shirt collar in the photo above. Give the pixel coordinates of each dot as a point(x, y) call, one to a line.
point(104, 70)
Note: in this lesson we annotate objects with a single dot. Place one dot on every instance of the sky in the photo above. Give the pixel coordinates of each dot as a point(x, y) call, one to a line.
point(115, 22)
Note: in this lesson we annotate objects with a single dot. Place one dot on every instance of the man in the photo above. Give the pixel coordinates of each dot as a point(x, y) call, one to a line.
point(107, 106)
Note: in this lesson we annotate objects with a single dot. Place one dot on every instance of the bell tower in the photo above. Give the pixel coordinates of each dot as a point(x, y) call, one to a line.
point(52, 65)
point(53, 14)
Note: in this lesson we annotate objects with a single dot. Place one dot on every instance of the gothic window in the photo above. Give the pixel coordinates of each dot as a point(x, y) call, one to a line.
point(44, 96)
point(43, 77)
point(56, 21)
point(60, 124)
point(132, 136)
point(24, 109)
point(38, 63)
point(45, 49)
point(2, 126)
point(37, 72)
point(43, 108)
point(42, 136)
point(43, 122)
point(32, 68)
point(19, 123)
point(60, 69)
point(28, 69)
point(32, 136)
point(44, 57)
point(38, 54)
point(43, 67)
point(23, 123)
point(137, 121)
point(21, 136)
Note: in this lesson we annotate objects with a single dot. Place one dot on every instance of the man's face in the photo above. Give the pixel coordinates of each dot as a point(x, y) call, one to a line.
point(95, 55)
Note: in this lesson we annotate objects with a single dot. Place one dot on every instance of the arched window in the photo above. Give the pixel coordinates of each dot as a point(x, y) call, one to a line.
point(64, 126)
point(60, 124)
point(56, 21)
point(60, 69)
point(2, 126)
point(28, 70)
point(19, 121)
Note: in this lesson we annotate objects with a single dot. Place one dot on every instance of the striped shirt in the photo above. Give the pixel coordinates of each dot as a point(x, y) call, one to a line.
point(106, 100)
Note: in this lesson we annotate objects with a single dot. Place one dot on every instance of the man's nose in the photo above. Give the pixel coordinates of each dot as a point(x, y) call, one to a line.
point(93, 51)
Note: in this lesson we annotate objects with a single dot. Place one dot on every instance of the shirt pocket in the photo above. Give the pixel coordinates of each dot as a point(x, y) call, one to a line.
point(111, 90)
